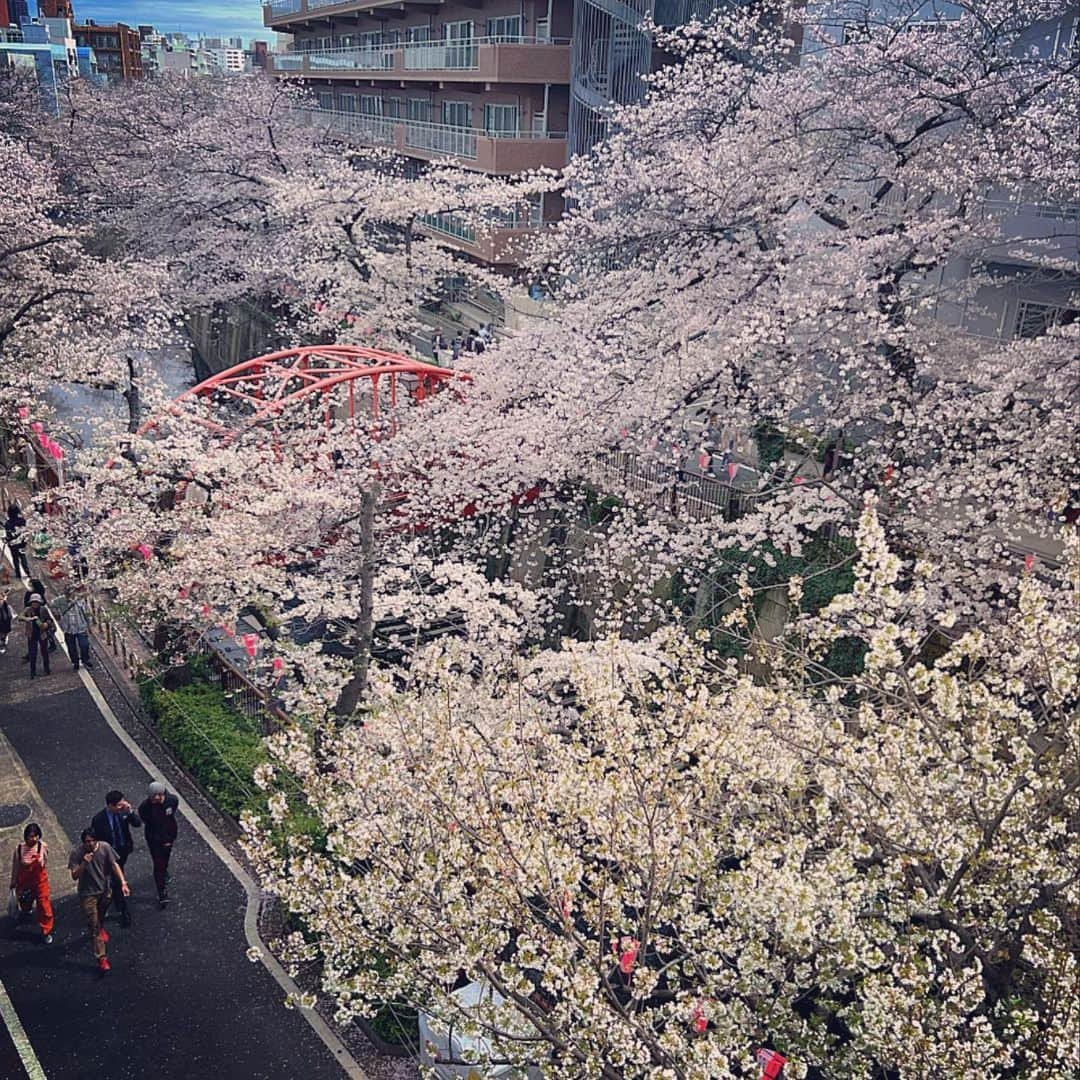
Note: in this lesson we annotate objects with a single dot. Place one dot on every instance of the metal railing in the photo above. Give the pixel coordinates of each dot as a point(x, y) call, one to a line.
point(350, 57)
point(377, 130)
point(677, 491)
point(413, 56)
point(461, 142)
point(283, 7)
point(288, 61)
point(442, 138)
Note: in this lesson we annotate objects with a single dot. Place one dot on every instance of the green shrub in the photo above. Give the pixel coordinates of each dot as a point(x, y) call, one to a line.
point(221, 748)
point(218, 745)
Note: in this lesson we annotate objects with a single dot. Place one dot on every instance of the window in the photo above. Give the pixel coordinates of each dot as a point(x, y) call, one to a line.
point(417, 35)
point(458, 48)
point(394, 107)
point(347, 103)
point(326, 99)
point(418, 110)
point(1033, 320)
point(504, 28)
point(501, 121)
point(370, 105)
point(457, 114)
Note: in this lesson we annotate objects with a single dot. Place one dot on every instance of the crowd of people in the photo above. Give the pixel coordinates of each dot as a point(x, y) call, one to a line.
point(97, 863)
point(41, 621)
point(473, 341)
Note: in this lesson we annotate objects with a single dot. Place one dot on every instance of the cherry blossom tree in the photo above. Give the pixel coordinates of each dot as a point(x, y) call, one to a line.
point(793, 246)
point(244, 194)
point(66, 314)
point(658, 864)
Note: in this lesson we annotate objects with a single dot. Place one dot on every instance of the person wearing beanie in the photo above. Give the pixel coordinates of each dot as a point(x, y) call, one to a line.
point(158, 814)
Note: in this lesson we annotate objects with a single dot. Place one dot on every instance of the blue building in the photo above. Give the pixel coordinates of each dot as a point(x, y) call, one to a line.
point(47, 45)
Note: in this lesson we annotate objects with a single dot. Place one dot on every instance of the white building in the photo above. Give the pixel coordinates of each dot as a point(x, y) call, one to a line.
point(230, 61)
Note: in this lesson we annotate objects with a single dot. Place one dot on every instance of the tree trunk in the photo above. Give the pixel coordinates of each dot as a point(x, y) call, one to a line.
point(131, 396)
point(353, 690)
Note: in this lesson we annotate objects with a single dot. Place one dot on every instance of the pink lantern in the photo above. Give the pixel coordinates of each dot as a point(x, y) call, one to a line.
point(699, 1022)
point(797, 480)
point(24, 412)
point(772, 1063)
point(626, 949)
point(278, 665)
point(56, 450)
point(703, 460)
point(623, 433)
point(44, 440)
point(145, 550)
point(250, 642)
point(206, 610)
point(37, 426)
point(732, 470)
point(1029, 562)
point(653, 443)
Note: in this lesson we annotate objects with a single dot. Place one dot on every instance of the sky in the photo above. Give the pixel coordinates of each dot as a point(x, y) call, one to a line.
point(212, 18)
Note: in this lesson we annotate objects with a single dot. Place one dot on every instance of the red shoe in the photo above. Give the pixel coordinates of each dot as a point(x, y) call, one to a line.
point(104, 965)
point(104, 935)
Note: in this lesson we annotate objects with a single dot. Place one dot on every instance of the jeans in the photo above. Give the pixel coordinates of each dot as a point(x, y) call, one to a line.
point(159, 855)
point(35, 644)
point(78, 647)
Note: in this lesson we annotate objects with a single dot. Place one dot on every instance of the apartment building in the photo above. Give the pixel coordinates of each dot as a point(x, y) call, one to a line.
point(118, 48)
point(503, 86)
point(484, 81)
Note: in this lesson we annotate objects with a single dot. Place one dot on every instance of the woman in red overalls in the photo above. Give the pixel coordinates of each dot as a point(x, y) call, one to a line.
point(30, 878)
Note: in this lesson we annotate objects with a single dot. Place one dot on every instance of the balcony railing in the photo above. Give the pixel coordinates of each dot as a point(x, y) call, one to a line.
point(471, 55)
point(288, 61)
point(278, 8)
point(438, 140)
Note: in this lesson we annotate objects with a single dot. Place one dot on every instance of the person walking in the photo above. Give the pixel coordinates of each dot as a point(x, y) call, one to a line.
point(39, 626)
point(158, 813)
point(438, 344)
point(93, 864)
point(7, 617)
point(455, 347)
point(74, 622)
point(13, 528)
point(30, 879)
point(113, 826)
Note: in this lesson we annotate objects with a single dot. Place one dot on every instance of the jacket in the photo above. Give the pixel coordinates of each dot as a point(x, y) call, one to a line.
point(34, 622)
point(6, 615)
point(159, 820)
point(103, 830)
point(71, 615)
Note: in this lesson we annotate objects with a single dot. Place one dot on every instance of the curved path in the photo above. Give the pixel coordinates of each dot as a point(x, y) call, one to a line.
point(183, 1001)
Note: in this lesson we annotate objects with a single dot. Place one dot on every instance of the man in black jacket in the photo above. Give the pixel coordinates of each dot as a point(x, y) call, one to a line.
point(113, 825)
point(158, 813)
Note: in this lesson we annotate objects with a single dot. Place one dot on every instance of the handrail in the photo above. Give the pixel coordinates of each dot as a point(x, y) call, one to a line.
point(418, 134)
point(463, 55)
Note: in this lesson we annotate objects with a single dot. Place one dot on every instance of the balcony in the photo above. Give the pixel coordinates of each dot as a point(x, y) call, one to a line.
point(482, 60)
point(502, 245)
point(279, 13)
point(494, 152)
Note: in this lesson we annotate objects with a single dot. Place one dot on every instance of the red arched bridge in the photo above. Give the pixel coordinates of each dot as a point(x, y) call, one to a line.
point(330, 382)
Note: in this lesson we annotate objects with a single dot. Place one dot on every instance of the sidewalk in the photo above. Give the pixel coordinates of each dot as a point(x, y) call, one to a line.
point(182, 1001)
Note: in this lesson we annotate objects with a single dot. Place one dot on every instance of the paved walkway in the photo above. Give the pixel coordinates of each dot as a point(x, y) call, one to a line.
point(182, 1001)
